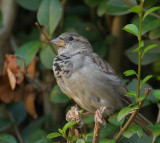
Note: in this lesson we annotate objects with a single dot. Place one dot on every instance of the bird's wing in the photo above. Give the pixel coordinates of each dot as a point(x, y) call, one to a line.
point(106, 68)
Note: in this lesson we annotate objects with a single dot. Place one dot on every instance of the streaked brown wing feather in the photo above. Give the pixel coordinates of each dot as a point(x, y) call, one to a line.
point(108, 70)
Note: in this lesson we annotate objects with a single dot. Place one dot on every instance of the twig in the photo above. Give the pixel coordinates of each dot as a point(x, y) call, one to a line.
point(140, 50)
point(158, 117)
point(147, 90)
point(71, 133)
point(99, 121)
point(15, 128)
point(63, 2)
point(86, 114)
point(45, 35)
point(77, 134)
point(73, 115)
point(158, 120)
point(132, 116)
point(144, 10)
point(108, 20)
point(97, 130)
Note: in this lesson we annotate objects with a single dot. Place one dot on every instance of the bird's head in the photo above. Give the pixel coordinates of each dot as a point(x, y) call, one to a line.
point(71, 43)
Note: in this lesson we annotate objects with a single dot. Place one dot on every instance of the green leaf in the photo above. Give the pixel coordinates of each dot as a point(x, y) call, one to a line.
point(150, 11)
point(135, 9)
point(134, 107)
point(131, 28)
point(57, 96)
point(7, 138)
point(150, 57)
point(157, 140)
point(108, 141)
point(80, 141)
point(156, 93)
point(89, 137)
point(146, 79)
point(130, 72)
point(27, 37)
point(19, 112)
point(68, 125)
point(148, 48)
point(139, 47)
point(149, 23)
point(60, 130)
point(131, 93)
point(132, 130)
point(102, 48)
point(154, 34)
point(108, 130)
point(114, 120)
point(125, 111)
point(155, 128)
point(38, 136)
point(49, 14)
point(92, 3)
point(117, 7)
point(150, 98)
point(88, 119)
point(53, 135)
point(150, 3)
point(101, 8)
point(136, 139)
point(32, 128)
point(5, 123)
point(27, 52)
point(29, 4)
point(47, 56)
point(141, 98)
point(73, 139)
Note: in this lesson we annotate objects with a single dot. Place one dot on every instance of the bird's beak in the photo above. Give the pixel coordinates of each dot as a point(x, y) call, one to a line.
point(58, 43)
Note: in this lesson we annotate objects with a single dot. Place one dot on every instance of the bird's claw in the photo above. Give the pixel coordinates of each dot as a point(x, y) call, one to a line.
point(99, 116)
point(74, 115)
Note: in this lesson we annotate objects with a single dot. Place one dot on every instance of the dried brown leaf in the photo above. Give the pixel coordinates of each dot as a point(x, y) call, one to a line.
point(29, 98)
point(32, 68)
point(12, 79)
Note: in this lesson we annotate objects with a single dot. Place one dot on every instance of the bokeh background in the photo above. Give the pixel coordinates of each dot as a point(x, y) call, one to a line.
point(31, 103)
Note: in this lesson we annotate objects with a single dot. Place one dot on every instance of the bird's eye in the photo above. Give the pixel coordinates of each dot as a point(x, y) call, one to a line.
point(71, 38)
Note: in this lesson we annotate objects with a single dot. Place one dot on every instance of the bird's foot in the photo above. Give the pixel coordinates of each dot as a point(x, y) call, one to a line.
point(99, 116)
point(74, 115)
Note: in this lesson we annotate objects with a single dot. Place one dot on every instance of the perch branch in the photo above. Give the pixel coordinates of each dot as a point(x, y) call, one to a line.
point(158, 120)
point(45, 35)
point(132, 116)
point(73, 115)
point(99, 121)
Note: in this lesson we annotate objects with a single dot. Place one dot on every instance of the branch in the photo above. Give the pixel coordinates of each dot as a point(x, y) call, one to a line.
point(144, 10)
point(15, 128)
point(8, 9)
point(132, 116)
point(99, 121)
point(63, 2)
point(158, 120)
point(45, 35)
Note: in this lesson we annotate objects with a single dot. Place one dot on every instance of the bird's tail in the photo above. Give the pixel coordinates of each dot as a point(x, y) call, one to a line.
point(143, 122)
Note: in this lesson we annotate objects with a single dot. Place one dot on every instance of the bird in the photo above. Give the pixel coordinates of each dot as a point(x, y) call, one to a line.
point(88, 79)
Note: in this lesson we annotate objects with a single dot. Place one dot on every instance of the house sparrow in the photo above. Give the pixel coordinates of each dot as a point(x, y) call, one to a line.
point(88, 79)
